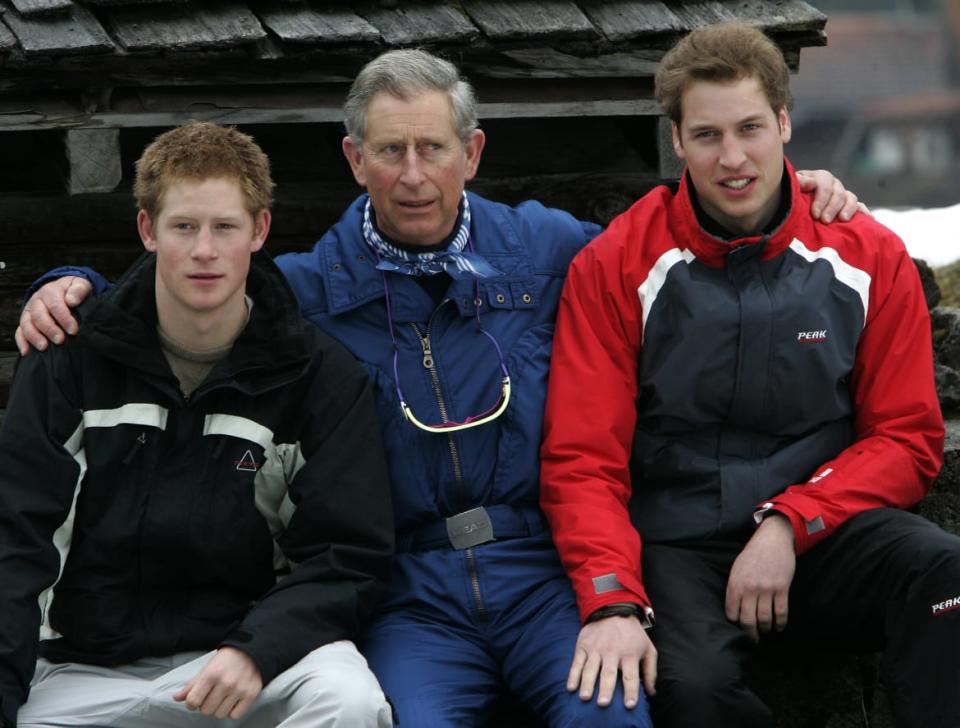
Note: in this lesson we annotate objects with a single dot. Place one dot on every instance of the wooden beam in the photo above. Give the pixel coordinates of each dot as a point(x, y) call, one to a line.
point(35, 120)
point(94, 156)
point(543, 63)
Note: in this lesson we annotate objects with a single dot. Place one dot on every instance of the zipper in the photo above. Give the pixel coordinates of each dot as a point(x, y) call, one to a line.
point(430, 365)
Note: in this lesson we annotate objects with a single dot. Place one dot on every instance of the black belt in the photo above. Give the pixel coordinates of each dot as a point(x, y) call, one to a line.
point(474, 527)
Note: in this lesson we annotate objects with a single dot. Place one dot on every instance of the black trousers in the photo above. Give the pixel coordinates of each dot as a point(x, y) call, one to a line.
point(884, 581)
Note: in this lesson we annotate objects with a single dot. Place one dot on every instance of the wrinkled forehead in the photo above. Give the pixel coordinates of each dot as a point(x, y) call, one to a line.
point(427, 113)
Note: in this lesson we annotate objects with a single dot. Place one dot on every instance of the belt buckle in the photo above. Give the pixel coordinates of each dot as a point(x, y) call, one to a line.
point(469, 528)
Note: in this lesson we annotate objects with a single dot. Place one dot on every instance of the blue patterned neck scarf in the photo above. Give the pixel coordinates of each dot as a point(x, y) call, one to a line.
point(457, 261)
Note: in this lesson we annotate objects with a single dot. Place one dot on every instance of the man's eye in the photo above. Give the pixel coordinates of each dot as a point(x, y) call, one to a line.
point(183, 226)
point(391, 149)
point(225, 226)
point(751, 127)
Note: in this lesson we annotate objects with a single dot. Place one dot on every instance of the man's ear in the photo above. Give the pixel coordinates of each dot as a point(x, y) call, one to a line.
point(353, 151)
point(261, 229)
point(786, 128)
point(474, 149)
point(677, 143)
point(145, 228)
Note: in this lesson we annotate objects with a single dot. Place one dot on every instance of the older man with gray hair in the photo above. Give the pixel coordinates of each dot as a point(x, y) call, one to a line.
point(449, 300)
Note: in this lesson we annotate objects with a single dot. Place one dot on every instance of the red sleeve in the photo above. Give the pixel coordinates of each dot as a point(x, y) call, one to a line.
point(899, 428)
point(589, 426)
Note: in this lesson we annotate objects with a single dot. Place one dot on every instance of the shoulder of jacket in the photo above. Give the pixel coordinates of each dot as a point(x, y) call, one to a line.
point(550, 236)
point(646, 230)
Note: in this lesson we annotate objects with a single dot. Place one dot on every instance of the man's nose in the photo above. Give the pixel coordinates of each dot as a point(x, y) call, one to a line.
point(412, 173)
point(204, 245)
point(732, 154)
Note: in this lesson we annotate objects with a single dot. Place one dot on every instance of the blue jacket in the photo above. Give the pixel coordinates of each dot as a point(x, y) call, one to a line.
point(437, 475)
point(341, 291)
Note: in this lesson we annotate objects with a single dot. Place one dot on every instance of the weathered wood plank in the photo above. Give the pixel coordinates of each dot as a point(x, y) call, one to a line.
point(8, 40)
point(76, 31)
point(530, 19)
point(621, 20)
point(215, 25)
point(419, 22)
point(94, 156)
point(297, 23)
point(41, 7)
point(779, 15)
point(703, 12)
point(33, 121)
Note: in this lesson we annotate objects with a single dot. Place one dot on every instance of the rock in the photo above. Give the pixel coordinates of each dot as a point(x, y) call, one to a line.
point(931, 291)
point(945, 326)
point(948, 387)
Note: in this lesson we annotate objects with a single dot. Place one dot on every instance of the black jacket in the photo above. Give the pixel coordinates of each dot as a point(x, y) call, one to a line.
point(254, 514)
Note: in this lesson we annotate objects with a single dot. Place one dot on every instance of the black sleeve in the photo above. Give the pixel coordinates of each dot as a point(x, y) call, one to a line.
point(340, 536)
point(40, 473)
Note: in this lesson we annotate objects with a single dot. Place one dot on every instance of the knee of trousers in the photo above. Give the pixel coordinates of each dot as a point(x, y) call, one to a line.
point(936, 579)
point(344, 693)
point(347, 699)
point(707, 690)
point(575, 713)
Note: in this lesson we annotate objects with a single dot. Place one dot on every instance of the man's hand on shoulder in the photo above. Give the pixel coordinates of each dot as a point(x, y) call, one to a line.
point(759, 581)
point(831, 200)
point(47, 315)
point(225, 687)
point(606, 647)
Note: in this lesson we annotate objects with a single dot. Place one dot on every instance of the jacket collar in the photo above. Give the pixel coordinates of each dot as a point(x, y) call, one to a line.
point(351, 279)
point(122, 326)
point(713, 250)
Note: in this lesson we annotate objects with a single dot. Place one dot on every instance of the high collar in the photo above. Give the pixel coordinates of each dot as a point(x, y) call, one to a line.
point(122, 325)
point(351, 279)
point(713, 250)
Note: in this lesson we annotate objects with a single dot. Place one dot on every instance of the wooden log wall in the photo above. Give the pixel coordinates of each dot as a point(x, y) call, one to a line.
point(593, 167)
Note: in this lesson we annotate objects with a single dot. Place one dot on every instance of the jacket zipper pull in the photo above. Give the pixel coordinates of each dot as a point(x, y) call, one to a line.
point(137, 444)
point(427, 351)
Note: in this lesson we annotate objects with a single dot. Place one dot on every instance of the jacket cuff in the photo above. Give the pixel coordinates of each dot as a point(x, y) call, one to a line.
point(603, 590)
point(624, 609)
point(808, 524)
point(268, 668)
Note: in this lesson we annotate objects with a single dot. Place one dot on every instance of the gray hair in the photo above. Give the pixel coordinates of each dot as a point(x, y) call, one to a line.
point(405, 74)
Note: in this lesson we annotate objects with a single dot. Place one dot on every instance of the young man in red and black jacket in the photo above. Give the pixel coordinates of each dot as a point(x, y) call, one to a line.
point(750, 393)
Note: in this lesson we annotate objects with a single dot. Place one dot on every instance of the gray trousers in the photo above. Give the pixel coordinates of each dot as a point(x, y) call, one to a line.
point(331, 686)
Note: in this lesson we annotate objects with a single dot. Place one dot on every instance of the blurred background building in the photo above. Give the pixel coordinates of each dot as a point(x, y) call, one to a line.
point(879, 105)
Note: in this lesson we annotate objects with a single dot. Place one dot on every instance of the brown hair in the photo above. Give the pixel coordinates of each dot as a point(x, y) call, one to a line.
point(723, 52)
point(201, 150)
